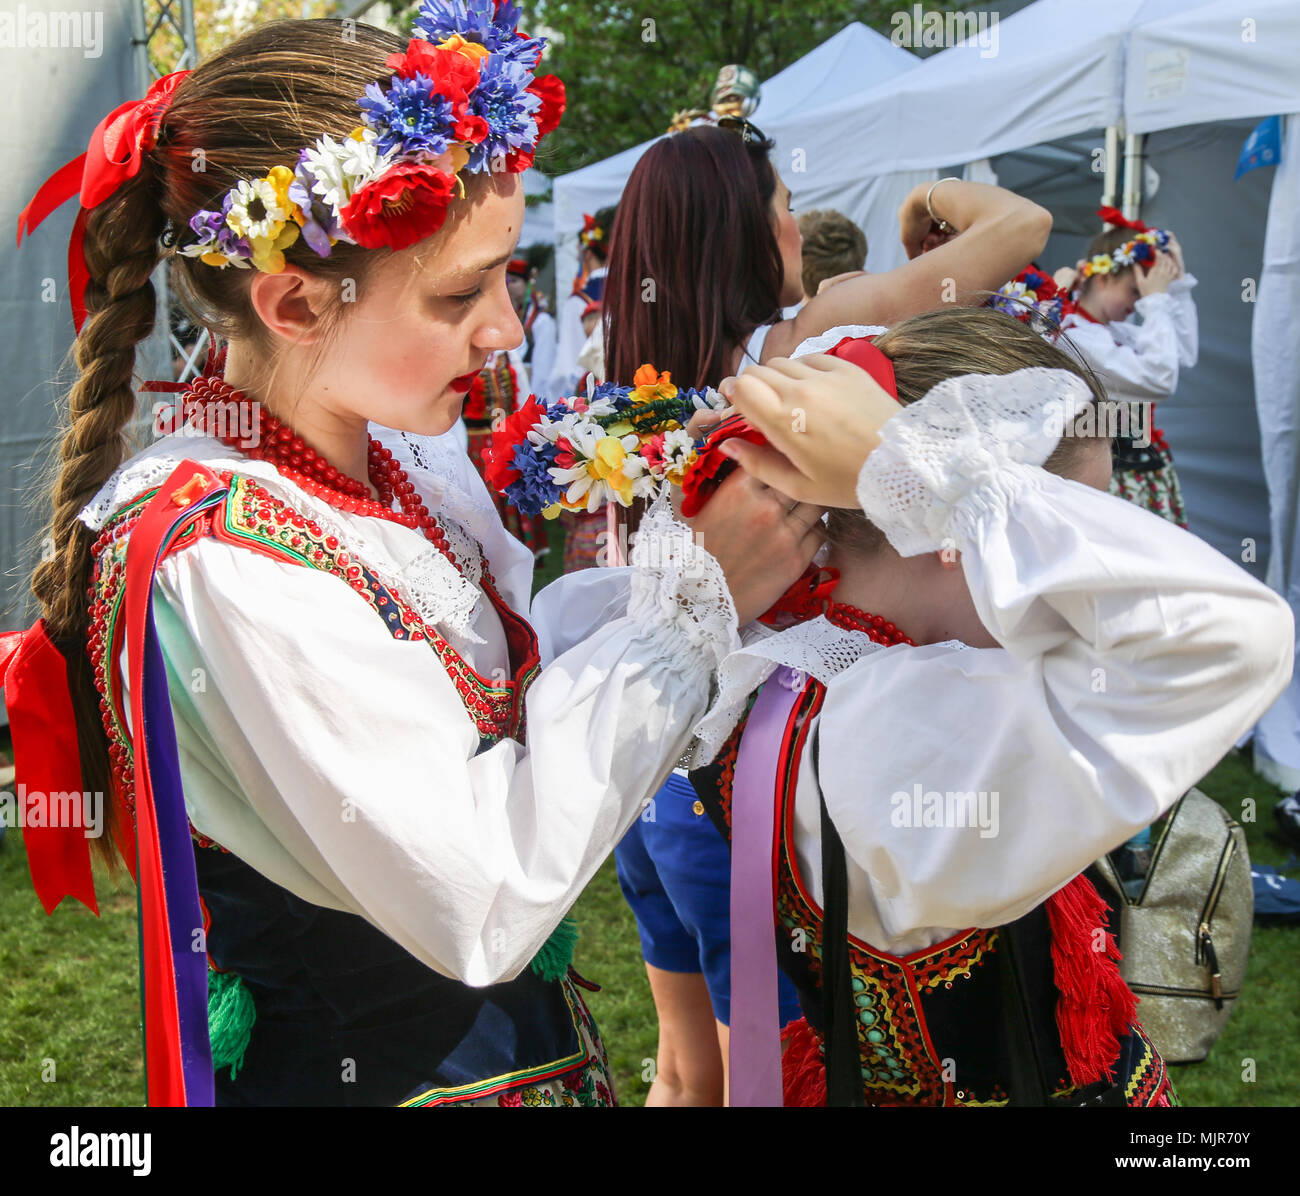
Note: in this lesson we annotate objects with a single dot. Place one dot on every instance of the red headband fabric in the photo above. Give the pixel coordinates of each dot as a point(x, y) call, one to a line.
point(1116, 217)
point(710, 468)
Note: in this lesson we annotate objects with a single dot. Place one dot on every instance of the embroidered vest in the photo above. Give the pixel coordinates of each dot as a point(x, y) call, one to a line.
point(930, 1024)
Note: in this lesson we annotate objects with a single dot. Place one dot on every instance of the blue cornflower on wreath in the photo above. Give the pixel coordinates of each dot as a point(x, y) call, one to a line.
point(407, 116)
point(534, 490)
point(618, 396)
point(503, 101)
point(489, 24)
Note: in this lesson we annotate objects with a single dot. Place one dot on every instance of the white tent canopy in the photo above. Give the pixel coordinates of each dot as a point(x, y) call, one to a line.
point(855, 59)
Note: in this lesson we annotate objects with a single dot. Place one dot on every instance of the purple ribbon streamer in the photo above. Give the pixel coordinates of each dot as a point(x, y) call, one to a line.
point(754, 1077)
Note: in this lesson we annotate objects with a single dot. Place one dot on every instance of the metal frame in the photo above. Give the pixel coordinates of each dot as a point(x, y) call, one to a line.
point(163, 42)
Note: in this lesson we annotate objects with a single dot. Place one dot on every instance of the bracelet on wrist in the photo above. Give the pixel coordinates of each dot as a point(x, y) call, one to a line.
point(944, 226)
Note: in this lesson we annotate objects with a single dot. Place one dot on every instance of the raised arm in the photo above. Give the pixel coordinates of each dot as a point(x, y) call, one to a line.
point(997, 233)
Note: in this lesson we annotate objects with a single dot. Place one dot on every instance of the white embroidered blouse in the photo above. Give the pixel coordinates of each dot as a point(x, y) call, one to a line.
point(340, 762)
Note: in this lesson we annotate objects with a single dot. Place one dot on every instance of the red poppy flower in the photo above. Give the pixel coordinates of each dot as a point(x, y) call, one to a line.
point(499, 454)
point(550, 90)
point(454, 75)
point(710, 468)
point(404, 205)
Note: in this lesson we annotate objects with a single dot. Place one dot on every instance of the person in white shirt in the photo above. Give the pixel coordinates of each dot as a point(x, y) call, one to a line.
point(588, 287)
point(1139, 363)
point(1000, 631)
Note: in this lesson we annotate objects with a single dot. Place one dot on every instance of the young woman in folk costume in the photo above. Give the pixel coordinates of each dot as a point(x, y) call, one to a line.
point(1003, 673)
point(707, 217)
point(314, 734)
point(1129, 268)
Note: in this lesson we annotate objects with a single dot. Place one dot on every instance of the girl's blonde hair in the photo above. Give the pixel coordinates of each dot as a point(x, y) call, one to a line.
point(949, 342)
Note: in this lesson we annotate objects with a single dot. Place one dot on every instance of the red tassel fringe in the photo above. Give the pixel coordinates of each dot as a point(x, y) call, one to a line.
point(803, 1074)
point(1095, 1007)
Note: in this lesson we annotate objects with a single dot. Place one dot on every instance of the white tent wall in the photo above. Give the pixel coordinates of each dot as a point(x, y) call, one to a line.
point(853, 60)
point(1277, 377)
point(79, 88)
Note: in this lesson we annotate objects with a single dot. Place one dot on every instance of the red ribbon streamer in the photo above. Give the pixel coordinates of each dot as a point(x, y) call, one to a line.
point(34, 676)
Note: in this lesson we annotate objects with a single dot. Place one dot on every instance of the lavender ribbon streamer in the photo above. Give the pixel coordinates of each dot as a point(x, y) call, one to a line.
point(755, 1053)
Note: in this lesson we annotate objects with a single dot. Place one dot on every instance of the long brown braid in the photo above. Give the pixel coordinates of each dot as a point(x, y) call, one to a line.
point(253, 105)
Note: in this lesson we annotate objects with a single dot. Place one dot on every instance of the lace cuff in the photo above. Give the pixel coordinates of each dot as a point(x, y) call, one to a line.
point(832, 337)
point(679, 592)
point(942, 461)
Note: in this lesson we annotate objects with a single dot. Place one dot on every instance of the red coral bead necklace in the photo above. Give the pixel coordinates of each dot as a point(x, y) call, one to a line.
point(296, 460)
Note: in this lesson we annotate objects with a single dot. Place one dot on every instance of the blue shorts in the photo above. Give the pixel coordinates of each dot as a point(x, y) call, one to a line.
point(675, 871)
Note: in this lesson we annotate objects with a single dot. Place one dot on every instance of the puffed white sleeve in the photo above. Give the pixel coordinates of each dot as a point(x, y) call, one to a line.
point(1183, 311)
point(1132, 657)
point(339, 761)
point(1134, 361)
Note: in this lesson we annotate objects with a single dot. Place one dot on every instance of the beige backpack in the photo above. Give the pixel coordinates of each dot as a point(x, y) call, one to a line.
point(1186, 936)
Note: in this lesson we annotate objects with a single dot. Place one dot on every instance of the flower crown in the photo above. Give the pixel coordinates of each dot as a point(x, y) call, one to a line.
point(1033, 298)
point(1141, 251)
point(592, 233)
point(462, 97)
point(620, 444)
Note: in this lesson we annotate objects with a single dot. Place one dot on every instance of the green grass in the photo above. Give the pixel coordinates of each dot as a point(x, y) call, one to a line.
point(69, 983)
point(68, 989)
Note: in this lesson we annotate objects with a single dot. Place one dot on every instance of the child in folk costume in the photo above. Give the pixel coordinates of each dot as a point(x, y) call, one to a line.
point(499, 389)
point(296, 656)
point(712, 224)
point(1132, 268)
point(991, 628)
point(588, 287)
point(539, 325)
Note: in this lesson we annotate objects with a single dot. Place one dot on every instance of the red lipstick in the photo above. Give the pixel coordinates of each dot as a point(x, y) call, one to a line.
point(462, 384)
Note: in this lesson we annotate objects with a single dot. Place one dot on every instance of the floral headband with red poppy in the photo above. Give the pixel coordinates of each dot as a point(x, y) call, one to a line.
point(462, 97)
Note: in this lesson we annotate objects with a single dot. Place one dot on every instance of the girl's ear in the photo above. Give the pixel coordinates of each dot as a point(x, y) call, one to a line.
point(290, 303)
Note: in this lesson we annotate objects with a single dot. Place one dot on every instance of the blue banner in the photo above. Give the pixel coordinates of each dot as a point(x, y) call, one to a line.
point(1263, 147)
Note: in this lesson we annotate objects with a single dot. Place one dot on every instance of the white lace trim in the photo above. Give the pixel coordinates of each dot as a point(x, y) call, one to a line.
point(819, 648)
point(425, 578)
point(966, 444)
point(832, 337)
point(678, 587)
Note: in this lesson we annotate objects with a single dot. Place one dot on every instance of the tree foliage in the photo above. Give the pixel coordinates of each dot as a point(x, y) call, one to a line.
point(628, 68)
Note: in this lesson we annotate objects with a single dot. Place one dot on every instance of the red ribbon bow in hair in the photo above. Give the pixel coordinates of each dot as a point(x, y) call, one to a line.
point(1119, 220)
point(710, 468)
point(116, 146)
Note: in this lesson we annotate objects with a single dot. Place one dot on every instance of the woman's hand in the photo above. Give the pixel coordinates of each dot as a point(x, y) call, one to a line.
point(1067, 276)
point(762, 538)
point(916, 229)
point(822, 417)
point(1156, 280)
point(1175, 251)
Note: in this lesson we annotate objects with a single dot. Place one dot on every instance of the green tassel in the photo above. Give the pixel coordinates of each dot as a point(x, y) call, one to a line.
point(230, 1020)
point(552, 961)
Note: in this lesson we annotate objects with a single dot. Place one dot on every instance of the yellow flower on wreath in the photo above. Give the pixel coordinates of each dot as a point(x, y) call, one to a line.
point(607, 466)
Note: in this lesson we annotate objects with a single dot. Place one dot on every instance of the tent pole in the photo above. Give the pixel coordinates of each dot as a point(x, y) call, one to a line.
point(1110, 188)
point(1134, 157)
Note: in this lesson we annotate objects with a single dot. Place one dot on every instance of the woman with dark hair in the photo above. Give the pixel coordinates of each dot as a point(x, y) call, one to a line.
point(716, 254)
point(705, 254)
